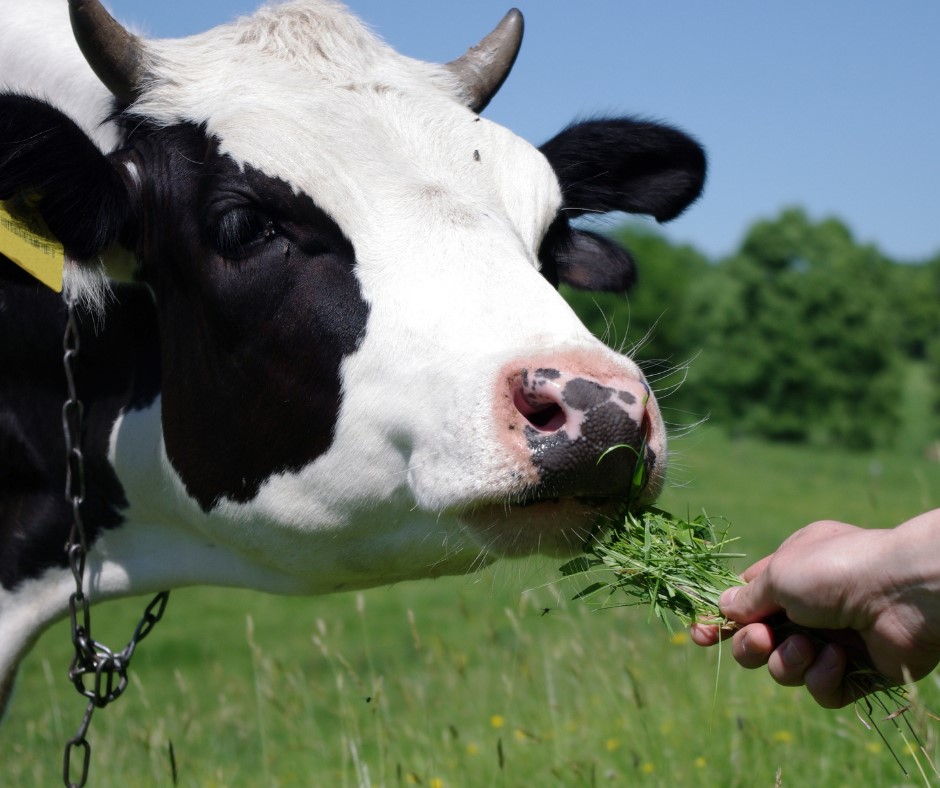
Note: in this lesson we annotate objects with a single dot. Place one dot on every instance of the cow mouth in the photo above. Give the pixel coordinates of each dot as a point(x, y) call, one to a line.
point(549, 525)
point(544, 517)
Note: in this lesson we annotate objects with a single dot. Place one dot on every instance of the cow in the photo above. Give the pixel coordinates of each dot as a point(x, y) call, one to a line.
point(321, 342)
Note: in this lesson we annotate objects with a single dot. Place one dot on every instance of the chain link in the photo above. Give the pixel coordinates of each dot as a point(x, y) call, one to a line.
point(107, 670)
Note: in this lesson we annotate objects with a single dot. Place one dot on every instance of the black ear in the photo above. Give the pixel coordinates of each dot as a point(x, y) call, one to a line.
point(626, 165)
point(82, 197)
point(585, 260)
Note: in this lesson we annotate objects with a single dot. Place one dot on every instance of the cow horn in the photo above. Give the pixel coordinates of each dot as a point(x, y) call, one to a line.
point(484, 68)
point(113, 53)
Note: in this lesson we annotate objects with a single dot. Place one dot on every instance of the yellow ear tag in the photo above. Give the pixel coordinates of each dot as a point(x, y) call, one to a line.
point(28, 242)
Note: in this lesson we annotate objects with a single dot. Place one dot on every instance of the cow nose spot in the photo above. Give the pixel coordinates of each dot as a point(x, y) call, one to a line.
point(571, 422)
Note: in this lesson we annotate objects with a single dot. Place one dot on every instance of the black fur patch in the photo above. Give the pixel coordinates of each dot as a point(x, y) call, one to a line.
point(258, 306)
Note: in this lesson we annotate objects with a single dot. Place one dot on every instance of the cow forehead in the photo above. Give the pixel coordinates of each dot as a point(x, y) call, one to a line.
point(302, 92)
point(384, 164)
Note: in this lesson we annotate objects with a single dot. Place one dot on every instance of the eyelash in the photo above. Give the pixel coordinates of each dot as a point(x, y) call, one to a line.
point(242, 228)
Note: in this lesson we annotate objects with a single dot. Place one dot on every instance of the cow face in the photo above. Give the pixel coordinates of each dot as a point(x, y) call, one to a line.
point(367, 373)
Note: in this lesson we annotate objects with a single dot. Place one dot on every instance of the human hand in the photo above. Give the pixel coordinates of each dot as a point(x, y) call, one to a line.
point(873, 595)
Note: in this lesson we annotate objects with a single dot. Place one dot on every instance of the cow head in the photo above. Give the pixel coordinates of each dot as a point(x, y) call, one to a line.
point(367, 372)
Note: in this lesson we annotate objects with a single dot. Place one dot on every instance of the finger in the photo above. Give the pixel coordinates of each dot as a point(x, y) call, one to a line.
point(709, 634)
point(825, 678)
point(752, 645)
point(790, 661)
point(704, 635)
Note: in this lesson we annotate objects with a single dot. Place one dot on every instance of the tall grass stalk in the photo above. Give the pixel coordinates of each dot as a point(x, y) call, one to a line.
point(256, 664)
point(374, 689)
point(52, 684)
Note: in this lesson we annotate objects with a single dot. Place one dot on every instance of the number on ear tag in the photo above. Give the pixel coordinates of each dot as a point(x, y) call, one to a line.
point(28, 242)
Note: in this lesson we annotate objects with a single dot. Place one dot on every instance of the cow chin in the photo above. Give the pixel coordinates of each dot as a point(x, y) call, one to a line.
point(556, 527)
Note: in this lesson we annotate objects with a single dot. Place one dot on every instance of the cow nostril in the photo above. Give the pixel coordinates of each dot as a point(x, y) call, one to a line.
point(548, 418)
point(544, 416)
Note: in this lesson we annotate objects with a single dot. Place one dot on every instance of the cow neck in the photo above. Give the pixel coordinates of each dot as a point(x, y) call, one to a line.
point(119, 370)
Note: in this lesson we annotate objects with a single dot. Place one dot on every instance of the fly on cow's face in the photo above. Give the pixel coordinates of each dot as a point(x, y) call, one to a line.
point(240, 230)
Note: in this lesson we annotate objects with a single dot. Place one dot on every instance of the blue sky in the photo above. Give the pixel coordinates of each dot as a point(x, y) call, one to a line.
point(831, 105)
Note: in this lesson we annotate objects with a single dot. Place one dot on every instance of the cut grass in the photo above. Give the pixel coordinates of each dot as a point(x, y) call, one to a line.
point(677, 568)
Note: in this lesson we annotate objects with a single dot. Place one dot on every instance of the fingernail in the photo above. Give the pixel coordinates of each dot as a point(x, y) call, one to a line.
point(745, 643)
point(828, 659)
point(791, 655)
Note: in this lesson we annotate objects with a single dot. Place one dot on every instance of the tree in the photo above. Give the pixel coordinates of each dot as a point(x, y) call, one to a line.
point(800, 336)
point(916, 293)
point(932, 334)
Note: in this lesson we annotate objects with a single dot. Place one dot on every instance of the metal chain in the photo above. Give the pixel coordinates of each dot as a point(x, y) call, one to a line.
point(108, 669)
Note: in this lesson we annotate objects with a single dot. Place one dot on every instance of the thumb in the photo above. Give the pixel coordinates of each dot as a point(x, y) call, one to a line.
point(749, 603)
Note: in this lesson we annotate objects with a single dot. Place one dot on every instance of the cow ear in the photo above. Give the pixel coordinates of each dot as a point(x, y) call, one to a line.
point(44, 153)
point(626, 165)
point(585, 260)
point(592, 262)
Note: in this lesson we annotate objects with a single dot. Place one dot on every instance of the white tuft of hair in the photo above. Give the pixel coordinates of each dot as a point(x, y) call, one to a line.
point(87, 285)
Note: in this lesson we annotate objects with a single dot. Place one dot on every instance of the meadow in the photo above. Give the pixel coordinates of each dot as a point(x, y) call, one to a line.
point(492, 679)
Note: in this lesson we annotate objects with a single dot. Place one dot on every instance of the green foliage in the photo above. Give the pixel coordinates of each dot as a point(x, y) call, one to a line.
point(800, 337)
point(925, 308)
point(933, 360)
point(915, 291)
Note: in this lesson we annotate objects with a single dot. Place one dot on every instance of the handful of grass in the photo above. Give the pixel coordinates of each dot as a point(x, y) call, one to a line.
point(679, 568)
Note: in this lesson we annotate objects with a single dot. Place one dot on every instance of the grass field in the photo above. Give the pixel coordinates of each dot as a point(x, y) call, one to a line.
point(490, 679)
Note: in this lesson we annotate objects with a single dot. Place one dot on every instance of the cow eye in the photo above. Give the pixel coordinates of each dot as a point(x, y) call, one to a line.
point(240, 229)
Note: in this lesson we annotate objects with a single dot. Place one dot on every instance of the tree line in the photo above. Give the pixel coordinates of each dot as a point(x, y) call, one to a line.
point(802, 335)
